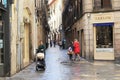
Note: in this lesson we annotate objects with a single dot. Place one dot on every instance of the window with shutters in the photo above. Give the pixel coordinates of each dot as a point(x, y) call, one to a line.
point(105, 3)
point(102, 4)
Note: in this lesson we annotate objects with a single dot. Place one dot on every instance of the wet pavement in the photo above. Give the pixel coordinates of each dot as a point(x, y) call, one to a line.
point(58, 67)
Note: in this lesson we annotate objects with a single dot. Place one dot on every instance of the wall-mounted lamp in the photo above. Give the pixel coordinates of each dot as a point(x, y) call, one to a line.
point(75, 17)
point(88, 15)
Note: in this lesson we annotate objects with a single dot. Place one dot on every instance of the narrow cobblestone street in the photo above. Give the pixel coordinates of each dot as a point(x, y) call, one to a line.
point(58, 67)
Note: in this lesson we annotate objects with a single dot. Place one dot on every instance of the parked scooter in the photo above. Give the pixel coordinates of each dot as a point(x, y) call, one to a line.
point(40, 60)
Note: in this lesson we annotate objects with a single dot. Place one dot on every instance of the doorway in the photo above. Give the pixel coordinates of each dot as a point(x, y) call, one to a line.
point(82, 44)
point(26, 43)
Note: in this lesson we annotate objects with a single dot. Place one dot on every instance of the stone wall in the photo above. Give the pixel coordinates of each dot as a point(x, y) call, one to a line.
point(116, 29)
point(13, 36)
point(21, 10)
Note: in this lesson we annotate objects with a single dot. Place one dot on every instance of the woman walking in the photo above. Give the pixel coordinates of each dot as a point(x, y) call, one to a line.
point(76, 46)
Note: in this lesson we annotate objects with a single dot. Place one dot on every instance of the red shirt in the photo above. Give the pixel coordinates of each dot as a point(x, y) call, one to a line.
point(76, 46)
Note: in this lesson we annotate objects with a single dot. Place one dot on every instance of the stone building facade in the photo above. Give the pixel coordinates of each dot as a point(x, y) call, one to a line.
point(19, 41)
point(20, 28)
point(96, 26)
point(4, 38)
point(55, 18)
point(22, 37)
point(41, 10)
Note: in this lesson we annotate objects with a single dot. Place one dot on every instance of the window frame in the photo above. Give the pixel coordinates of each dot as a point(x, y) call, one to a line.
point(104, 3)
point(101, 4)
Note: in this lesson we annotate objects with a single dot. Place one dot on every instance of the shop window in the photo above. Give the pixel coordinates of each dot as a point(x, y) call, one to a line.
point(104, 37)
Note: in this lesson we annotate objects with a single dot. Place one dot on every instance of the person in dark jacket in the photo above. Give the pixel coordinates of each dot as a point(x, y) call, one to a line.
point(41, 47)
point(50, 43)
point(54, 42)
point(63, 43)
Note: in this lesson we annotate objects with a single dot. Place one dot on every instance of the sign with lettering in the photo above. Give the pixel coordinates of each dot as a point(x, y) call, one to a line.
point(102, 17)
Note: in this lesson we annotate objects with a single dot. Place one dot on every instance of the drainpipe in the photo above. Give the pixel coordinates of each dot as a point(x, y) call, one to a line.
point(90, 53)
point(88, 15)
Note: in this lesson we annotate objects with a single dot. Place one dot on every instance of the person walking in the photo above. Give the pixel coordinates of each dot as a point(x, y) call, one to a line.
point(76, 46)
point(41, 47)
point(50, 43)
point(54, 42)
point(63, 43)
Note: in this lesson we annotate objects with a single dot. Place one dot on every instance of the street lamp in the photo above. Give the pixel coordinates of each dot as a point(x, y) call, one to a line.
point(75, 17)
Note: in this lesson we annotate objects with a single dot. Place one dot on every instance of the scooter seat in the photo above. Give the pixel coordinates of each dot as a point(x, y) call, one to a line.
point(40, 55)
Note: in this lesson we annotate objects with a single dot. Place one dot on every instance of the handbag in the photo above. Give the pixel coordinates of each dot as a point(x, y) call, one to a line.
point(70, 52)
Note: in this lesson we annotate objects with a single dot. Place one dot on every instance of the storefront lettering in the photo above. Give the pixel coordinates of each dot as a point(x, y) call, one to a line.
point(102, 18)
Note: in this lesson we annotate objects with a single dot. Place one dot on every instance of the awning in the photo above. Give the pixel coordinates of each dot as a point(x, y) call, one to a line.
point(103, 24)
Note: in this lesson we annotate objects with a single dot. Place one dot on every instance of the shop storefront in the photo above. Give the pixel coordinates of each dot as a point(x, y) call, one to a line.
point(104, 41)
point(4, 39)
point(103, 25)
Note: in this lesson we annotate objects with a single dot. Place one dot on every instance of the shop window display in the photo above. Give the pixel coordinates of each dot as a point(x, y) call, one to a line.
point(104, 37)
